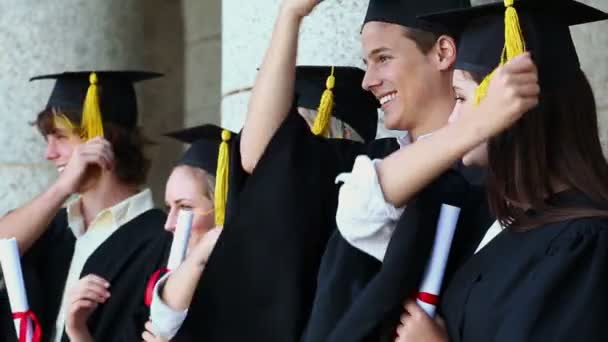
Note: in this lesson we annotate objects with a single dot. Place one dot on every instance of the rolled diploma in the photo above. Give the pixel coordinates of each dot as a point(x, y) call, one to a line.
point(13, 279)
point(181, 236)
point(435, 269)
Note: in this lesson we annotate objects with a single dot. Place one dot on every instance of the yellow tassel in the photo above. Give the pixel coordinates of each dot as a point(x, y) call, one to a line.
point(326, 107)
point(91, 125)
point(221, 179)
point(514, 45)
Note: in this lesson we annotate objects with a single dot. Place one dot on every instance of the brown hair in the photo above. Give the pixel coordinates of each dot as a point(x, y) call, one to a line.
point(128, 145)
point(425, 40)
point(556, 141)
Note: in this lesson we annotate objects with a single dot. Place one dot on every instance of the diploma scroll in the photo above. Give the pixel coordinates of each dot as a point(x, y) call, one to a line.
point(428, 295)
point(17, 295)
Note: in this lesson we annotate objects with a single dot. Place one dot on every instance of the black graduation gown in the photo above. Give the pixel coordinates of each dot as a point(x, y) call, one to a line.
point(7, 329)
point(370, 310)
point(124, 259)
point(545, 284)
point(260, 280)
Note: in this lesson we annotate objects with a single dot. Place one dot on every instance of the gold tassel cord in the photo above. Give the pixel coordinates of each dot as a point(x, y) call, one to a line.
point(326, 106)
point(221, 179)
point(514, 45)
point(91, 124)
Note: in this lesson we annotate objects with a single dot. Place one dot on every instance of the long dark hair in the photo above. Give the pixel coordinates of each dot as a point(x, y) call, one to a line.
point(556, 142)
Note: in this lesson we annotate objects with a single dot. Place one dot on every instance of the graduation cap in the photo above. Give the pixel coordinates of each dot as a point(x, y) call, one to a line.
point(101, 96)
point(405, 12)
point(337, 91)
point(208, 151)
point(490, 35)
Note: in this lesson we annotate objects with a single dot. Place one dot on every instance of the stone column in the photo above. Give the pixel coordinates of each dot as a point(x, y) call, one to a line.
point(330, 35)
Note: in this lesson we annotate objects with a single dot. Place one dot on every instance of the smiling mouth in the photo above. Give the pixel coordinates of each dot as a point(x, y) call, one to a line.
point(388, 98)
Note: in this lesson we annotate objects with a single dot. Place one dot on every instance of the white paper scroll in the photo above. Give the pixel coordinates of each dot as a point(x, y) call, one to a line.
point(13, 279)
point(435, 269)
point(181, 236)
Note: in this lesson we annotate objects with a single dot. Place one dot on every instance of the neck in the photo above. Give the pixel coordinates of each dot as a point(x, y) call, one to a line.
point(433, 120)
point(437, 111)
point(105, 193)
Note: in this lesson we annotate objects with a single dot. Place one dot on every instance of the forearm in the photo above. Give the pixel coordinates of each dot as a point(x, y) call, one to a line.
point(427, 159)
point(273, 90)
point(29, 222)
point(181, 285)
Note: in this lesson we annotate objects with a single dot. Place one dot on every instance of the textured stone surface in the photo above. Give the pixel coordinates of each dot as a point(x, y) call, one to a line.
point(330, 35)
point(162, 101)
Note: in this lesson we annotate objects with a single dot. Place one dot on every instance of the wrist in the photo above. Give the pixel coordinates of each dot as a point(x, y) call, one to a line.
point(194, 264)
point(290, 13)
point(79, 334)
point(59, 192)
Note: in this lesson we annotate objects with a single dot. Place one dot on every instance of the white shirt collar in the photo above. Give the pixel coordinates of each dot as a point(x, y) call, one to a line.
point(119, 213)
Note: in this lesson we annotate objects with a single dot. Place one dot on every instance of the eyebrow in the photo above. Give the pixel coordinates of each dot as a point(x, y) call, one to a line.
point(374, 52)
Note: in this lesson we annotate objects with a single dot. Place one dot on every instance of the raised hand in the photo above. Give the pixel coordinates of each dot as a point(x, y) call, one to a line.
point(82, 300)
point(95, 152)
point(512, 92)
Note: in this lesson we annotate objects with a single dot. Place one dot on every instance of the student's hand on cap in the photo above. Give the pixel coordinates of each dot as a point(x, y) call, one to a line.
point(300, 8)
point(95, 152)
point(148, 335)
point(512, 92)
point(417, 325)
point(82, 300)
point(202, 250)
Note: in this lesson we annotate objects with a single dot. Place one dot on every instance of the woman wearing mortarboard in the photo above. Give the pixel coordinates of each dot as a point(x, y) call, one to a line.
point(197, 185)
point(539, 274)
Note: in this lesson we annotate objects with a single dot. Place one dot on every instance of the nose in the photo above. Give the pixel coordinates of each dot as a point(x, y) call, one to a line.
point(171, 220)
point(51, 152)
point(370, 80)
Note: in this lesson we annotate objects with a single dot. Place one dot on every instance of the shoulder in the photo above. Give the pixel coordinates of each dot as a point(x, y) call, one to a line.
point(580, 234)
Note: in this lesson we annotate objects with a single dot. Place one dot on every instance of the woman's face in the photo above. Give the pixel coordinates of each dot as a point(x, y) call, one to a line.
point(187, 188)
point(464, 88)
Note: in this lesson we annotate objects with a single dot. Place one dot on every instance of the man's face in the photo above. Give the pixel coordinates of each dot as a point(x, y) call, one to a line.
point(59, 146)
point(398, 74)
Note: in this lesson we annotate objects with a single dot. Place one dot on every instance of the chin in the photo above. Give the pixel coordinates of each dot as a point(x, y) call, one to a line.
point(391, 121)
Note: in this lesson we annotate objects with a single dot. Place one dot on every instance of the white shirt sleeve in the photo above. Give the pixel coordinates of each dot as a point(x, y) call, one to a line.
point(166, 321)
point(364, 218)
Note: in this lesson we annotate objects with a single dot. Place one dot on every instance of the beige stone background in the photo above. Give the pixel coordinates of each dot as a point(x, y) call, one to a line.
point(208, 49)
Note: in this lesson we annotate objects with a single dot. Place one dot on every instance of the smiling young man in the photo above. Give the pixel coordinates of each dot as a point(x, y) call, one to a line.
point(83, 263)
point(409, 70)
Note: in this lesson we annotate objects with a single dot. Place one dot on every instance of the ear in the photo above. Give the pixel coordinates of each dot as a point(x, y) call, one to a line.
point(445, 52)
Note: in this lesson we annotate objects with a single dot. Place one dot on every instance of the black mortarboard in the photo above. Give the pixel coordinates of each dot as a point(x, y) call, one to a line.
point(204, 143)
point(405, 12)
point(117, 99)
point(352, 104)
point(545, 27)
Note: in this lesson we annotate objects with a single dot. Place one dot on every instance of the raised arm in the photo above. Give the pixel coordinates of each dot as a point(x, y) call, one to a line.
point(273, 89)
point(29, 222)
point(513, 91)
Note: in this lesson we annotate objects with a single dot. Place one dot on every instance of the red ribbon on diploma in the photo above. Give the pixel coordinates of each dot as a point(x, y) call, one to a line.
point(23, 316)
point(151, 284)
point(428, 298)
